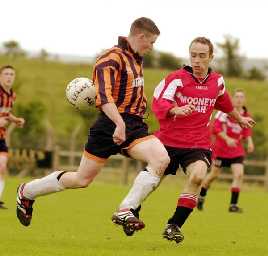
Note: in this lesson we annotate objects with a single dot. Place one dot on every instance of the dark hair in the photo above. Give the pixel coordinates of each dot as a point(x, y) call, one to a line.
point(144, 24)
point(6, 67)
point(204, 40)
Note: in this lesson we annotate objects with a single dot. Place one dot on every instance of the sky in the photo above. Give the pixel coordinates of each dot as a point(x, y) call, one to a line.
point(85, 27)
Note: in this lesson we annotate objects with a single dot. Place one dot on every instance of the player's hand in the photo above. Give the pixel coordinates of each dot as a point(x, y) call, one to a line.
point(185, 110)
point(246, 122)
point(20, 122)
point(250, 147)
point(230, 142)
point(119, 135)
point(4, 121)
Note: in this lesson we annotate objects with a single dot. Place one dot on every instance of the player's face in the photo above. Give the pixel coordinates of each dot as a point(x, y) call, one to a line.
point(239, 99)
point(7, 77)
point(145, 43)
point(200, 58)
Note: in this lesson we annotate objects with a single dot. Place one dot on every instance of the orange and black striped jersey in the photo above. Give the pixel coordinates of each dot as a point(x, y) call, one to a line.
point(118, 77)
point(6, 103)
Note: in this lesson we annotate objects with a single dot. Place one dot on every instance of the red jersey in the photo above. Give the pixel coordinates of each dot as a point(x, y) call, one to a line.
point(181, 88)
point(225, 123)
point(6, 103)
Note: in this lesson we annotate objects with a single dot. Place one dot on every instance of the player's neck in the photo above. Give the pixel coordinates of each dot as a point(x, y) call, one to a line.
point(6, 88)
point(132, 43)
point(200, 75)
point(239, 109)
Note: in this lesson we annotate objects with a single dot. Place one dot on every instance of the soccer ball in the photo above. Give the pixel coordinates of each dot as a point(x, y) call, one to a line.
point(81, 93)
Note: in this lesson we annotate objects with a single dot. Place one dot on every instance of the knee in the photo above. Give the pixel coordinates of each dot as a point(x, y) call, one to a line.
point(83, 182)
point(238, 176)
point(197, 178)
point(160, 163)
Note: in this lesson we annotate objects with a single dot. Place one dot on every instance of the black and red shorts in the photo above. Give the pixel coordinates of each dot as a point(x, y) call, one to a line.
point(227, 162)
point(100, 145)
point(182, 157)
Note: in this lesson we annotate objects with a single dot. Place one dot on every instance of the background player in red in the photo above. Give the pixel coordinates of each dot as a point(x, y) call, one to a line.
point(228, 150)
point(7, 98)
point(183, 104)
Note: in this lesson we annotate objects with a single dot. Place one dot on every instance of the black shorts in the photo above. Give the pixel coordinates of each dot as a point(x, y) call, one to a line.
point(227, 162)
point(3, 146)
point(182, 157)
point(100, 144)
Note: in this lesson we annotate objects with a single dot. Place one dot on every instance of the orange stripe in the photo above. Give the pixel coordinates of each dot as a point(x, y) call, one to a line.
point(137, 141)
point(95, 158)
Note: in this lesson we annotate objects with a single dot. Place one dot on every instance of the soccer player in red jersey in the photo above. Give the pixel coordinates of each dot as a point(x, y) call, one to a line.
point(120, 128)
point(183, 104)
point(228, 150)
point(7, 98)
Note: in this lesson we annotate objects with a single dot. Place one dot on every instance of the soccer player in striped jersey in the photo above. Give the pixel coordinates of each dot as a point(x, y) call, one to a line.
point(7, 98)
point(228, 151)
point(183, 104)
point(118, 77)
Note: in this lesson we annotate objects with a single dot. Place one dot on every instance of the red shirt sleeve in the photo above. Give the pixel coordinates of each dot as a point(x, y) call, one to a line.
point(217, 126)
point(161, 107)
point(224, 103)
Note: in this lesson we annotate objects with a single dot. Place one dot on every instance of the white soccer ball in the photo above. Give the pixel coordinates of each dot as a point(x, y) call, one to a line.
point(81, 93)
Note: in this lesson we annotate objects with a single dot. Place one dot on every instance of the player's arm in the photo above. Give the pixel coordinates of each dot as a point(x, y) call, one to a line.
point(111, 111)
point(218, 129)
point(164, 104)
point(224, 104)
point(250, 144)
point(19, 121)
point(104, 78)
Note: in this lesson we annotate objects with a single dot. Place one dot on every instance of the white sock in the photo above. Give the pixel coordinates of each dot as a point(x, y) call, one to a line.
point(46, 185)
point(143, 185)
point(2, 186)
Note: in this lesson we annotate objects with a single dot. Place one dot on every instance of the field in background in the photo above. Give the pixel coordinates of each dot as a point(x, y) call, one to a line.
point(77, 222)
point(45, 81)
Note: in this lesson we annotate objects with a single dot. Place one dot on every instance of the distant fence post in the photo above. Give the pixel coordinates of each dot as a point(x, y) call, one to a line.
point(55, 158)
point(266, 174)
point(125, 170)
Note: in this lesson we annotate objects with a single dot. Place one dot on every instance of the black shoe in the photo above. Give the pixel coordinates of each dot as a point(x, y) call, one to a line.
point(129, 231)
point(235, 208)
point(200, 203)
point(24, 207)
point(2, 205)
point(128, 220)
point(173, 233)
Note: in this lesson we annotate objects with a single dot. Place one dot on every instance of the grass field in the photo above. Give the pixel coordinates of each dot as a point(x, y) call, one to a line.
point(78, 223)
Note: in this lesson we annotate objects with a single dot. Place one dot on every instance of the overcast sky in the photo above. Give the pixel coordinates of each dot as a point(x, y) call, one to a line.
point(84, 27)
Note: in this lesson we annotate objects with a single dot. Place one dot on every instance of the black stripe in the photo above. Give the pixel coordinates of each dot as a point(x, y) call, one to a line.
point(123, 83)
point(132, 66)
point(135, 89)
point(108, 63)
point(101, 82)
point(112, 78)
point(139, 103)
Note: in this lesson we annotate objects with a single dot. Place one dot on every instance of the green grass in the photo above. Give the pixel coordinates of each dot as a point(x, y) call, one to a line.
point(77, 222)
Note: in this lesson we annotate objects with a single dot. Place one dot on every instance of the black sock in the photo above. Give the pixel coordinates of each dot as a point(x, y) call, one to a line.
point(234, 197)
point(203, 191)
point(136, 212)
point(180, 216)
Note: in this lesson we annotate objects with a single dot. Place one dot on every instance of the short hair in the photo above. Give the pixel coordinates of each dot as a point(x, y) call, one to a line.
point(204, 40)
point(144, 24)
point(239, 90)
point(6, 67)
